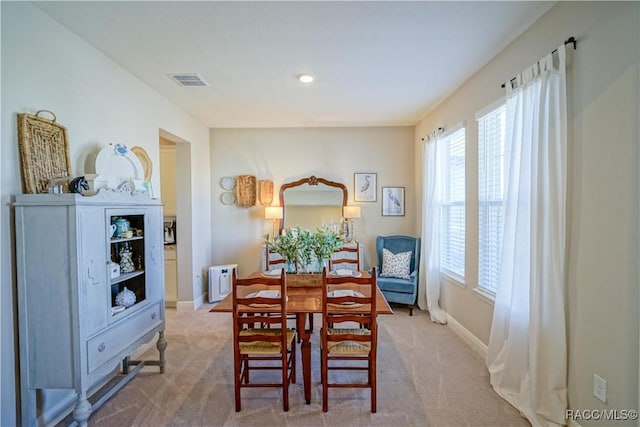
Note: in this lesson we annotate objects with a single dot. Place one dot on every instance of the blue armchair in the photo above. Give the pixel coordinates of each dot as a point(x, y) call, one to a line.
point(402, 291)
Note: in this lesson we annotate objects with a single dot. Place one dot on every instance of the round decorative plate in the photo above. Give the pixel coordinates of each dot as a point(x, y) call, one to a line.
point(345, 273)
point(272, 273)
point(347, 304)
point(116, 164)
point(228, 198)
point(227, 183)
point(142, 155)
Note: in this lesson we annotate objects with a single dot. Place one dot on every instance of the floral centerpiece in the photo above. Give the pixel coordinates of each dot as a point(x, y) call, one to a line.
point(285, 245)
point(305, 249)
point(324, 243)
point(298, 247)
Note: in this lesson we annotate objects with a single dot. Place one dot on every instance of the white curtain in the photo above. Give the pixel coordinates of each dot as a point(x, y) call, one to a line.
point(429, 286)
point(527, 355)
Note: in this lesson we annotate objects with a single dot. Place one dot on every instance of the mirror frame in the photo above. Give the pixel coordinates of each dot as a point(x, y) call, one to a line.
point(312, 180)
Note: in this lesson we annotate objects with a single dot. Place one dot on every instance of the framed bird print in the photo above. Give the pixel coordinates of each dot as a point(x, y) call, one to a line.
point(365, 187)
point(392, 201)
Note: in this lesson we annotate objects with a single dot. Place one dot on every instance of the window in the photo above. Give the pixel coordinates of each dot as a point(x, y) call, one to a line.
point(452, 230)
point(491, 134)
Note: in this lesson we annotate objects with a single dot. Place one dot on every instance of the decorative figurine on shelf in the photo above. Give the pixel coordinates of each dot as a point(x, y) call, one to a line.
point(126, 298)
point(122, 225)
point(126, 259)
point(78, 184)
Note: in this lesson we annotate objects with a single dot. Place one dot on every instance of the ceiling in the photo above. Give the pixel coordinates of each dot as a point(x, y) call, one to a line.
point(381, 63)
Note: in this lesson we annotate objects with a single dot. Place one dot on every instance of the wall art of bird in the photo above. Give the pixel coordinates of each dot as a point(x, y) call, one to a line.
point(366, 185)
point(393, 199)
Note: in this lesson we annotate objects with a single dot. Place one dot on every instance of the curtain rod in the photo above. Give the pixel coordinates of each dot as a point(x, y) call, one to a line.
point(570, 40)
point(433, 134)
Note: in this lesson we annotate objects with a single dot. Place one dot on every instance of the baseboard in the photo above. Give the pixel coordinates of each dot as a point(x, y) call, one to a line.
point(481, 348)
point(185, 305)
point(200, 300)
point(466, 336)
point(191, 305)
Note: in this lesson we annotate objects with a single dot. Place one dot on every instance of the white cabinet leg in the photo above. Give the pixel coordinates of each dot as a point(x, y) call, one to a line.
point(161, 345)
point(82, 411)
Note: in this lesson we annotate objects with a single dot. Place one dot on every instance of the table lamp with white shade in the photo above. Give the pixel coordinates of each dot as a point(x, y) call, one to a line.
point(273, 213)
point(349, 213)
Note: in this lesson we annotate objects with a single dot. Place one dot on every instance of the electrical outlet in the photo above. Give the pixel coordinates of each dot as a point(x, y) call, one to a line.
point(600, 388)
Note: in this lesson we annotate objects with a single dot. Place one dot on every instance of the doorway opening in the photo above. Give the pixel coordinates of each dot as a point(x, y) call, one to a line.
point(175, 190)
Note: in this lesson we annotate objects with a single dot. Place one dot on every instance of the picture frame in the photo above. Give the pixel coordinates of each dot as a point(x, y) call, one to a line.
point(365, 187)
point(392, 201)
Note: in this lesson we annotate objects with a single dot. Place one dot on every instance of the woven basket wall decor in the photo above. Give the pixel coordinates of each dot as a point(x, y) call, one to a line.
point(265, 187)
point(246, 191)
point(44, 152)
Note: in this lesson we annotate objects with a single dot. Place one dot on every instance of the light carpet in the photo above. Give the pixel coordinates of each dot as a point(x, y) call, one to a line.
point(426, 377)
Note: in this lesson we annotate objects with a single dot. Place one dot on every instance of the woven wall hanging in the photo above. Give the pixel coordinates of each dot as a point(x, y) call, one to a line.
point(44, 152)
point(246, 191)
point(265, 190)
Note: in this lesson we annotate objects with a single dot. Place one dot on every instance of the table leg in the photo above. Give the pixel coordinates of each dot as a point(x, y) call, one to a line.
point(305, 353)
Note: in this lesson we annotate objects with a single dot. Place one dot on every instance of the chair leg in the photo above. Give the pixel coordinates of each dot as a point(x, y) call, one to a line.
point(245, 376)
point(373, 382)
point(293, 363)
point(411, 310)
point(285, 384)
point(324, 378)
point(236, 383)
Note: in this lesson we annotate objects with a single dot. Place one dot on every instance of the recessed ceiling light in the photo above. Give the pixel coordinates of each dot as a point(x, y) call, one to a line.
point(305, 78)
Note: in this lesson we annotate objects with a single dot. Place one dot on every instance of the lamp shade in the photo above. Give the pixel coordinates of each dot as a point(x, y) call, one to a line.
point(351, 211)
point(273, 212)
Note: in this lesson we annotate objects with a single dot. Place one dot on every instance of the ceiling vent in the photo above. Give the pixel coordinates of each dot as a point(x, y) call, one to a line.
point(189, 79)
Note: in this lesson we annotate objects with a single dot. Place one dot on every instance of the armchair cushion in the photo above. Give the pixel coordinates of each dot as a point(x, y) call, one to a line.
point(395, 265)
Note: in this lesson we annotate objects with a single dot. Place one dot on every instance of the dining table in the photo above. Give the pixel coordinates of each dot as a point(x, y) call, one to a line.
point(304, 298)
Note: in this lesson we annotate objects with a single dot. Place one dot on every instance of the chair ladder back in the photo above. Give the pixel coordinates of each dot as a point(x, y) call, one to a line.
point(261, 301)
point(341, 258)
point(346, 344)
point(272, 259)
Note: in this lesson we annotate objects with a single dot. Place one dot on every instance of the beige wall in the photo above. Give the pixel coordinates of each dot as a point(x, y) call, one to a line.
point(285, 155)
point(603, 229)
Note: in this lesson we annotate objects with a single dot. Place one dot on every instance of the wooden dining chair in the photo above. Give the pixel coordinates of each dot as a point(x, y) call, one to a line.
point(262, 301)
point(349, 334)
point(341, 256)
point(273, 260)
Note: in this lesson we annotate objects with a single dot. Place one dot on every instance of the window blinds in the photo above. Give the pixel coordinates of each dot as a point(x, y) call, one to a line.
point(452, 251)
point(491, 134)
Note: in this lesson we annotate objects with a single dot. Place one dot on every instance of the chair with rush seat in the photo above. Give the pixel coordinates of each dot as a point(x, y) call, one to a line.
point(262, 301)
point(349, 334)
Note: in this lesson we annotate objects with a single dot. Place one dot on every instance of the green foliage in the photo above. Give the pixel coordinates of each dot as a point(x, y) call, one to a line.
point(298, 246)
point(286, 245)
point(324, 243)
point(305, 248)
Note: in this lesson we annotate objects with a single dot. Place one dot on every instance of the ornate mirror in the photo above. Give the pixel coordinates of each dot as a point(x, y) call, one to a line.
point(312, 202)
